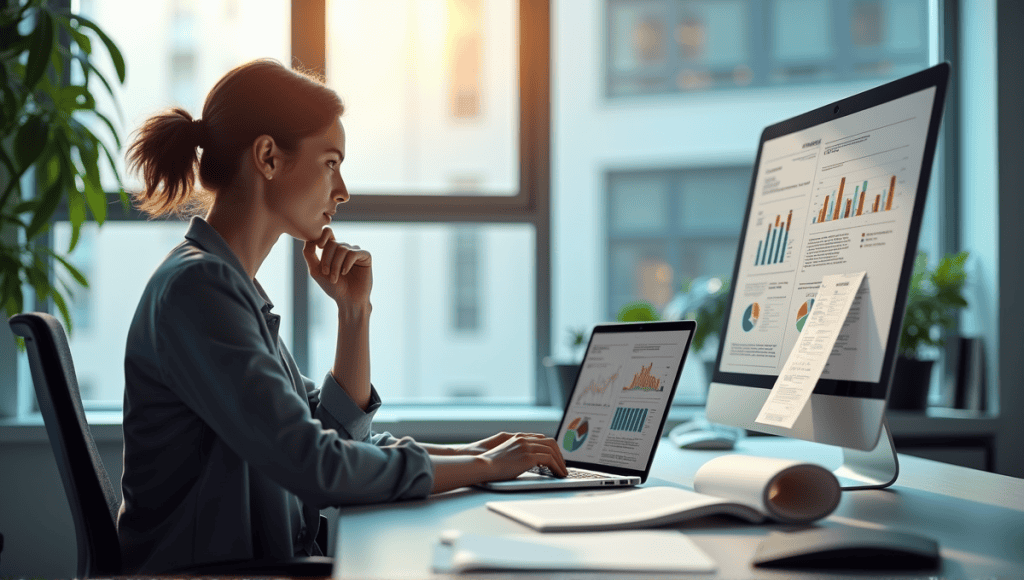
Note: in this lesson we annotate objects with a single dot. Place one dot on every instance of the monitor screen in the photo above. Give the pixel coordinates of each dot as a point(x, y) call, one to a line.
point(838, 190)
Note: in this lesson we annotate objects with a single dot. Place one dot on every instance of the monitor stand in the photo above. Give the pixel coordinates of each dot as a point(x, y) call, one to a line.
point(875, 469)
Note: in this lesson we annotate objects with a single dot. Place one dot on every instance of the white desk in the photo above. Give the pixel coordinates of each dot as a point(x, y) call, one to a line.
point(977, 518)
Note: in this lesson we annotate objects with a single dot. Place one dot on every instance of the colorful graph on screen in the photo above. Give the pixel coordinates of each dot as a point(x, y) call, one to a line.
point(644, 381)
point(803, 313)
point(576, 434)
point(750, 316)
point(866, 199)
point(772, 249)
point(597, 389)
point(629, 419)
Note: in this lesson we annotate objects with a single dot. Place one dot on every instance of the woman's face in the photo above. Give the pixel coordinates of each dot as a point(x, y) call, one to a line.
point(305, 194)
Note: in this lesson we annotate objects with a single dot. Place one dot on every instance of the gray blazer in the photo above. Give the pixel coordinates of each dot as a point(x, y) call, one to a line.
point(229, 452)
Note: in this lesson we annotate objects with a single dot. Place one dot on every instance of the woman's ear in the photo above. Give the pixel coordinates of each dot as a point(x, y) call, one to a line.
point(266, 156)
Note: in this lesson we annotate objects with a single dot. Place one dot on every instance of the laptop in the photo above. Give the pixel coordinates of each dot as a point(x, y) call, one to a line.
point(616, 411)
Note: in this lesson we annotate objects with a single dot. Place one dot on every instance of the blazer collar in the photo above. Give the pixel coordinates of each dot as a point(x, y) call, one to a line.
point(202, 233)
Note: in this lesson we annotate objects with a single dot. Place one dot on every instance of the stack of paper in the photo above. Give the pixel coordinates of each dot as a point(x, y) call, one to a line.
point(640, 551)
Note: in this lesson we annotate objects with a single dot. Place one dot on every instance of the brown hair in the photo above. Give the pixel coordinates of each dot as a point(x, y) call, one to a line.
point(261, 97)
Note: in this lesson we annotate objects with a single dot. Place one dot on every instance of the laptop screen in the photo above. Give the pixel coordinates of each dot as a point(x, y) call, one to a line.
point(616, 413)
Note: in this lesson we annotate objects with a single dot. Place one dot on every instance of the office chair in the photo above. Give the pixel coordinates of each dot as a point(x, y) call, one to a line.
point(90, 495)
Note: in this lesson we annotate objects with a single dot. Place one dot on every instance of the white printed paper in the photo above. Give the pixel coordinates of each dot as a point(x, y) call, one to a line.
point(807, 360)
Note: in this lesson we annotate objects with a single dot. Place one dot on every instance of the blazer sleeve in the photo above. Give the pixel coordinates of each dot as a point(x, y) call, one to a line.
point(336, 410)
point(217, 358)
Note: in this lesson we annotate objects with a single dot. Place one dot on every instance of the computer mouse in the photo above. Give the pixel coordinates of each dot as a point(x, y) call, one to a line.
point(847, 548)
point(702, 434)
point(715, 440)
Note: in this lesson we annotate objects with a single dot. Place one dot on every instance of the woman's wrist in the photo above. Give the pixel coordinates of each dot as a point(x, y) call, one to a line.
point(354, 312)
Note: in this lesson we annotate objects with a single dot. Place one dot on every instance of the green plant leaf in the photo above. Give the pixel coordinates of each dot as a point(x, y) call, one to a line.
point(76, 98)
point(13, 221)
point(115, 54)
point(57, 63)
point(110, 125)
point(43, 43)
point(62, 305)
point(97, 200)
point(83, 41)
point(76, 214)
point(24, 206)
point(47, 206)
point(75, 273)
point(30, 141)
point(110, 159)
point(13, 299)
point(89, 70)
point(126, 204)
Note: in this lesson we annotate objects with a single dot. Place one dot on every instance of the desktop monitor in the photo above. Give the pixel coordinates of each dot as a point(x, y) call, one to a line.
point(840, 189)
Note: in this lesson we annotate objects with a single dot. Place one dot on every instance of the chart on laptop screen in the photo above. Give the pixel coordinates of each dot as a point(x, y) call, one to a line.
point(835, 198)
point(620, 398)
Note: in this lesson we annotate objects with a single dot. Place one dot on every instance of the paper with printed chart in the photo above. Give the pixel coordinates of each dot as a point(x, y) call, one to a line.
point(810, 354)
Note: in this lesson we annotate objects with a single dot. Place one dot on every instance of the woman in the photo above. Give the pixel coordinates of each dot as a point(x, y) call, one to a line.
point(229, 452)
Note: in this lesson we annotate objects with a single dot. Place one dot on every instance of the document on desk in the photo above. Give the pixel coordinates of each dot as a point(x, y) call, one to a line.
point(810, 354)
point(637, 551)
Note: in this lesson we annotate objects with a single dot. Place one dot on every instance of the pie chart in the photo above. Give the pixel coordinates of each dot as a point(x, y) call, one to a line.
point(750, 316)
point(803, 313)
point(576, 434)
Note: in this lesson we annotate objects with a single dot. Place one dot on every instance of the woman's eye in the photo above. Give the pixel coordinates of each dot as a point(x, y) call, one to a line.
point(332, 163)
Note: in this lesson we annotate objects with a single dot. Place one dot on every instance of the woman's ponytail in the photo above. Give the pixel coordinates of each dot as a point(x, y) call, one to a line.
point(165, 153)
point(260, 97)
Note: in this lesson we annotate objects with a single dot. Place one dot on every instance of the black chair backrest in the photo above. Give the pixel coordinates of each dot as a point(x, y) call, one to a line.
point(92, 499)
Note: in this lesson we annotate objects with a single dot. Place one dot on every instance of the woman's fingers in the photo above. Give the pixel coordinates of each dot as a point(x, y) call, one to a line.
point(550, 459)
point(327, 257)
point(353, 257)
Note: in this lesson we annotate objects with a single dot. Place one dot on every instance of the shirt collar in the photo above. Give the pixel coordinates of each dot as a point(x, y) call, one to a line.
point(201, 232)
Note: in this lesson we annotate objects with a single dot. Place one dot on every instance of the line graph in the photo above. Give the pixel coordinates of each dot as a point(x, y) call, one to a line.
point(598, 388)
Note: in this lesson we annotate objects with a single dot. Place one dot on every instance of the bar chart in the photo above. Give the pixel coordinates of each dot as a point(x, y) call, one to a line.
point(644, 381)
point(772, 249)
point(841, 204)
point(629, 419)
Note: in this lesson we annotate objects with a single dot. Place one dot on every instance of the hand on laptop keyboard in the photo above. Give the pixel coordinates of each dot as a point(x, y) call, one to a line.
point(573, 473)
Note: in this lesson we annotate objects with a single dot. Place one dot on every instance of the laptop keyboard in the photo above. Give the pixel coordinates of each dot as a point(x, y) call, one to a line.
point(573, 473)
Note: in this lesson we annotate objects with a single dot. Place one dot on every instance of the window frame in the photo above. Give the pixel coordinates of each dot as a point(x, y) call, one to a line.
point(530, 205)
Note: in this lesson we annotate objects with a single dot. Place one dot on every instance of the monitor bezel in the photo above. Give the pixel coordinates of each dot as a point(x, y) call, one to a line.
point(662, 326)
point(937, 77)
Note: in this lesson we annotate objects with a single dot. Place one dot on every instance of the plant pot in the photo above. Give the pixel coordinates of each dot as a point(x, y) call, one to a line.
point(910, 384)
point(561, 380)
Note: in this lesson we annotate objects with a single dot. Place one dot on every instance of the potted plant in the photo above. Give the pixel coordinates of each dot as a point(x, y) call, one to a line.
point(562, 375)
point(933, 299)
point(49, 150)
point(709, 313)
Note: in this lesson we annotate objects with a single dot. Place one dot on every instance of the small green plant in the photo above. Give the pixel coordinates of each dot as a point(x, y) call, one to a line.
point(577, 341)
point(638, 311)
point(933, 299)
point(709, 314)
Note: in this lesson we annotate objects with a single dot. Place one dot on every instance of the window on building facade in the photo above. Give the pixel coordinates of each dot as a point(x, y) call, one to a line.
point(686, 46)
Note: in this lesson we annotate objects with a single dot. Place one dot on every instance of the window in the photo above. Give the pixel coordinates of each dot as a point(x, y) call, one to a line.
point(433, 168)
point(652, 171)
point(430, 95)
point(667, 227)
point(419, 354)
point(669, 46)
point(465, 287)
